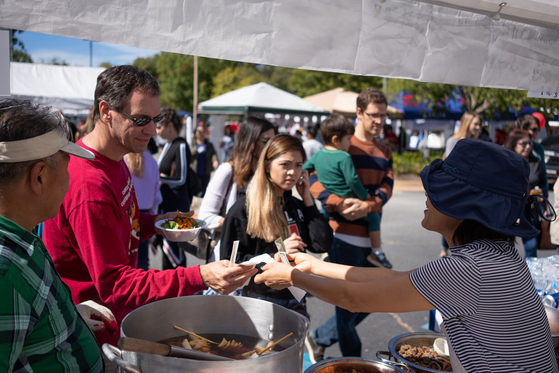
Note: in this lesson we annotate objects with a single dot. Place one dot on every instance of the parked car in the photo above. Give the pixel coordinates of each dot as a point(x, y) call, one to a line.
point(551, 152)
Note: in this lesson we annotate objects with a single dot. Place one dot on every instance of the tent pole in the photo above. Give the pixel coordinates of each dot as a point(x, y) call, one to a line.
point(195, 99)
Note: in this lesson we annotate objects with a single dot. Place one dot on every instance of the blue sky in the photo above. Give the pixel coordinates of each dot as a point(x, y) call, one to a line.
point(43, 48)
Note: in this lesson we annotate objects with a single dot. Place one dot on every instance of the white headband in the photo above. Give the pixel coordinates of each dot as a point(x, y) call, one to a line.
point(40, 147)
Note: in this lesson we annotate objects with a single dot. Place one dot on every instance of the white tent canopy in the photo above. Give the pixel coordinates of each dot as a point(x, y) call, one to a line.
point(448, 41)
point(62, 87)
point(259, 98)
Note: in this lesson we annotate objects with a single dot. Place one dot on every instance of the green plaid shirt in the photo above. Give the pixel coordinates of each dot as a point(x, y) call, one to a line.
point(40, 328)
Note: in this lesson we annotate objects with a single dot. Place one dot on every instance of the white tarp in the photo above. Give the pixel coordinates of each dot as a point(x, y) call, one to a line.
point(259, 98)
point(395, 38)
point(62, 87)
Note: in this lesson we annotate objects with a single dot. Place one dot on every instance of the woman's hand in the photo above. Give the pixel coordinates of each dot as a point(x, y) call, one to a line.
point(304, 188)
point(276, 275)
point(294, 244)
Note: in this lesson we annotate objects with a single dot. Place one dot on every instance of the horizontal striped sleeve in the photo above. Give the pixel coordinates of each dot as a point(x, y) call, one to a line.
point(450, 284)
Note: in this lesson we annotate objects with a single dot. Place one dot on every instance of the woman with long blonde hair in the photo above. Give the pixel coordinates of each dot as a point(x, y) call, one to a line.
point(269, 211)
point(470, 128)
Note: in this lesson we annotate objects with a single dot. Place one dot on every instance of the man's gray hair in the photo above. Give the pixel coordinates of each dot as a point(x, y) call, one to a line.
point(20, 120)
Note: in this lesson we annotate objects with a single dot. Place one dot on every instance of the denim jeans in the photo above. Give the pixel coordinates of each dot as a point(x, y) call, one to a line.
point(531, 247)
point(341, 326)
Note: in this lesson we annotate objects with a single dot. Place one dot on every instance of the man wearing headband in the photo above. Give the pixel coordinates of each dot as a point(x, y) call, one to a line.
point(40, 329)
point(94, 239)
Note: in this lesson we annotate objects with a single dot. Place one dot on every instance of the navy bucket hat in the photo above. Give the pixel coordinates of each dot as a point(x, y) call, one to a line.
point(484, 182)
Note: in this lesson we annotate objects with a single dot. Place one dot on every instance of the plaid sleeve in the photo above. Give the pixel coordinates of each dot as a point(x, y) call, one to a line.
point(15, 320)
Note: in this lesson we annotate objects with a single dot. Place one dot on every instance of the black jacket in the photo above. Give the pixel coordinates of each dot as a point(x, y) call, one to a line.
point(307, 222)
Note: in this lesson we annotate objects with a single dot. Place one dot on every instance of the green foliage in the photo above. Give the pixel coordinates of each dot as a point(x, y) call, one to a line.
point(106, 65)
point(490, 102)
point(56, 61)
point(306, 82)
point(19, 54)
point(412, 162)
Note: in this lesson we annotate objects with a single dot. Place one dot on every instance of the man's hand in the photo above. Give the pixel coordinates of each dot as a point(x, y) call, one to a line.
point(224, 280)
point(97, 317)
point(353, 209)
point(294, 244)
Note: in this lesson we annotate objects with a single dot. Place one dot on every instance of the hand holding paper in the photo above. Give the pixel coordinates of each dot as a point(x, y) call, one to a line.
point(266, 258)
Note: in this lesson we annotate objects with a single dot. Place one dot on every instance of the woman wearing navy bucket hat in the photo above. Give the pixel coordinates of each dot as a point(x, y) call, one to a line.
point(492, 316)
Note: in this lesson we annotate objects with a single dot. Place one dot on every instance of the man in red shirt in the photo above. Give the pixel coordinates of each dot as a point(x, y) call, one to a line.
point(94, 239)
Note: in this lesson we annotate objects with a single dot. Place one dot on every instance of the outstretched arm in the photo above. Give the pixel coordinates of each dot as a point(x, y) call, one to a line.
point(355, 289)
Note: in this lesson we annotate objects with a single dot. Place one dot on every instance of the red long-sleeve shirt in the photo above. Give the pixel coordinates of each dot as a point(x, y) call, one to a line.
point(94, 242)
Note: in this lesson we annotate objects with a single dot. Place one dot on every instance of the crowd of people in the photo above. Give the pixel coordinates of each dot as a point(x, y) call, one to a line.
point(98, 199)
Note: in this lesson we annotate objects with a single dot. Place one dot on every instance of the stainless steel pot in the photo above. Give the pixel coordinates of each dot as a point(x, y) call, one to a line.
point(207, 314)
point(345, 364)
point(413, 339)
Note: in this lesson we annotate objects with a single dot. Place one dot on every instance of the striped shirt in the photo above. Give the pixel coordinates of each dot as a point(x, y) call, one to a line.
point(494, 319)
point(373, 165)
point(40, 328)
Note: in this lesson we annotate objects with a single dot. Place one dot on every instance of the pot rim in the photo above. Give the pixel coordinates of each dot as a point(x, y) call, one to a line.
point(338, 360)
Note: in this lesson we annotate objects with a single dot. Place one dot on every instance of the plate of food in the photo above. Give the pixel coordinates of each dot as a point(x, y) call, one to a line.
point(180, 229)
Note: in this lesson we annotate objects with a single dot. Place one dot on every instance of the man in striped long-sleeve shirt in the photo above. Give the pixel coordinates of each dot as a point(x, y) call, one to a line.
point(352, 245)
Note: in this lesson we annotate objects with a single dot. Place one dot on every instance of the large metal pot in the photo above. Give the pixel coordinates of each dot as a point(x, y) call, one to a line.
point(346, 364)
point(207, 314)
point(415, 340)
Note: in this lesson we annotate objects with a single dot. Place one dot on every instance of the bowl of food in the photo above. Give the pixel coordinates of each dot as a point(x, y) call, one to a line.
point(180, 229)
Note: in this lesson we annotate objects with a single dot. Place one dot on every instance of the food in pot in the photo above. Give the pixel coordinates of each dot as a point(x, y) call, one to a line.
point(424, 356)
point(181, 222)
point(230, 345)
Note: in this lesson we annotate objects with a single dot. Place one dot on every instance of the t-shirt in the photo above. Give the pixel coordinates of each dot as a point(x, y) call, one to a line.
point(94, 242)
point(494, 319)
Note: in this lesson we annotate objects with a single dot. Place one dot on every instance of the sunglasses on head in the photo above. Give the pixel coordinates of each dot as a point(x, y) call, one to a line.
point(142, 122)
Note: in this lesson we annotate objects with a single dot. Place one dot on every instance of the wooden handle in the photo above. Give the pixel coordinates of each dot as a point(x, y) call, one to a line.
point(146, 347)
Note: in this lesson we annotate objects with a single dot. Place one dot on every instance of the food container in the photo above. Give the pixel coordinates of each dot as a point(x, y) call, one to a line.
point(211, 314)
point(413, 339)
point(180, 235)
point(346, 364)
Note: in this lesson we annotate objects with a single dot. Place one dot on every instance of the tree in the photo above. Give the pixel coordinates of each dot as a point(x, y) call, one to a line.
point(106, 65)
point(19, 54)
point(56, 61)
point(306, 82)
point(492, 102)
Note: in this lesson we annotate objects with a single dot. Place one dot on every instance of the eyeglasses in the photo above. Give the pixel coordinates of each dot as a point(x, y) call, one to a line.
point(524, 143)
point(265, 141)
point(534, 129)
point(142, 122)
point(376, 116)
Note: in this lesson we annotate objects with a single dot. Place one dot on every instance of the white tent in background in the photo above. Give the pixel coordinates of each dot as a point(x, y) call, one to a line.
point(66, 88)
point(259, 98)
point(466, 42)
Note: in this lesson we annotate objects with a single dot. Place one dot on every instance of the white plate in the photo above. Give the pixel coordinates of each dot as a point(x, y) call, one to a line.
point(180, 235)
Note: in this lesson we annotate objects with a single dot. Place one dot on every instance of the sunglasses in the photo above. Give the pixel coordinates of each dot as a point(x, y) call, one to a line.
point(524, 143)
point(265, 141)
point(142, 122)
point(534, 129)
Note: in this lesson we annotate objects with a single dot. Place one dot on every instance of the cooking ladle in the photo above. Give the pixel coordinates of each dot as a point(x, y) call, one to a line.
point(147, 347)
